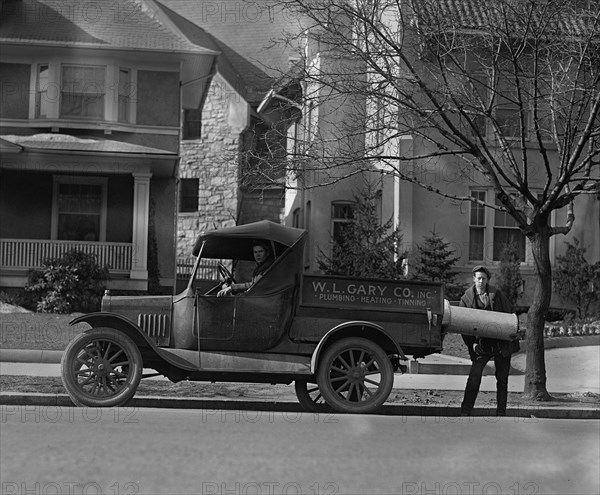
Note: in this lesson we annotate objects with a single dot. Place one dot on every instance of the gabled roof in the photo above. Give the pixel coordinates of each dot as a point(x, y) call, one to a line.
point(199, 36)
point(118, 24)
point(246, 34)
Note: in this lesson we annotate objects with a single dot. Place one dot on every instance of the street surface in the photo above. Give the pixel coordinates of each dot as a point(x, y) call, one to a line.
point(50, 450)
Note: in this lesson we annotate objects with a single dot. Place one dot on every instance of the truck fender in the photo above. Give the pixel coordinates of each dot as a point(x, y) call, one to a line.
point(365, 329)
point(116, 322)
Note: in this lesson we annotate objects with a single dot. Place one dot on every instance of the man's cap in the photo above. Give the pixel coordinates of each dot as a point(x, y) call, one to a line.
point(481, 268)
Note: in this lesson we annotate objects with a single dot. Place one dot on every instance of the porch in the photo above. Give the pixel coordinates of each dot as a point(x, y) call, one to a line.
point(17, 256)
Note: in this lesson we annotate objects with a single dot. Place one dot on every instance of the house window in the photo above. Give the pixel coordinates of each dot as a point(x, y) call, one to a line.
point(311, 122)
point(379, 122)
point(41, 92)
point(508, 114)
point(79, 212)
point(188, 195)
point(125, 90)
point(297, 218)
point(82, 91)
point(192, 124)
point(476, 226)
point(506, 232)
point(342, 214)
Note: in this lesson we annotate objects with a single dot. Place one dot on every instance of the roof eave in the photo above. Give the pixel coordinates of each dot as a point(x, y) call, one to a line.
point(95, 46)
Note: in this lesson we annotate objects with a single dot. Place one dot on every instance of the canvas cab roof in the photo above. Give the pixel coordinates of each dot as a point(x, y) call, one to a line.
point(236, 242)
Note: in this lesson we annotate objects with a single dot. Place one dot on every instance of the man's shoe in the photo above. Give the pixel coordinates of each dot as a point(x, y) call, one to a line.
point(500, 413)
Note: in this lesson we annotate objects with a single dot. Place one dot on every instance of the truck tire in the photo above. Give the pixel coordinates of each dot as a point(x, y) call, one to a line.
point(101, 368)
point(355, 375)
point(310, 397)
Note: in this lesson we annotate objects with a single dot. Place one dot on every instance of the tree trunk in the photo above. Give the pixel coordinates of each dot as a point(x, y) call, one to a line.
point(535, 371)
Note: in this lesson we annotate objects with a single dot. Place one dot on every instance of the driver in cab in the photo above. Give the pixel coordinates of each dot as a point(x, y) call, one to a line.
point(264, 259)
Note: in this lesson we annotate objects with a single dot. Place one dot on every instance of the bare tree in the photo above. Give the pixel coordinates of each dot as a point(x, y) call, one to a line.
point(507, 92)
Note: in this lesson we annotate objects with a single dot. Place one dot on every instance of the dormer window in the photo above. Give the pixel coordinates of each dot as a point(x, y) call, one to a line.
point(82, 91)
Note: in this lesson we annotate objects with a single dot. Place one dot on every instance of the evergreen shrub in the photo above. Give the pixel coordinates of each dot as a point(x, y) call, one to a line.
point(71, 283)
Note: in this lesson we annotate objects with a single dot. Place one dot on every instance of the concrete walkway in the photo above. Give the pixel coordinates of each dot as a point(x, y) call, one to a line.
point(568, 370)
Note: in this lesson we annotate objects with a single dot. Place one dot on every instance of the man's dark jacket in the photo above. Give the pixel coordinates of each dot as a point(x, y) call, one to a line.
point(498, 302)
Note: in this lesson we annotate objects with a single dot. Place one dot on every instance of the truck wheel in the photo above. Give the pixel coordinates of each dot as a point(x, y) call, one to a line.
point(310, 396)
point(355, 375)
point(101, 368)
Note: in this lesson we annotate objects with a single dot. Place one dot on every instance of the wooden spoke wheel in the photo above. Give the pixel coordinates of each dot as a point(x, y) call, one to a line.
point(310, 396)
point(355, 375)
point(101, 368)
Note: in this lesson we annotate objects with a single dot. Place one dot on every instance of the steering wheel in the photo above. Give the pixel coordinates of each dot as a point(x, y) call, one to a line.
point(225, 273)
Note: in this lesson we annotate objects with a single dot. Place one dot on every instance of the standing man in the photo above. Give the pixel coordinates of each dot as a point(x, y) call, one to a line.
point(482, 295)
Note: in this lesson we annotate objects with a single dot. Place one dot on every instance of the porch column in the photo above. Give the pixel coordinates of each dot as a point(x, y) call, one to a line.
point(141, 203)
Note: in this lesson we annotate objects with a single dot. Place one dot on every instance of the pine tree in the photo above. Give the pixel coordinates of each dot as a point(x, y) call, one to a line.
point(509, 274)
point(366, 248)
point(435, 264)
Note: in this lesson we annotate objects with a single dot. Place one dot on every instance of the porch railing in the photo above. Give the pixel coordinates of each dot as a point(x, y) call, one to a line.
point(207, 269)
point(30, 253)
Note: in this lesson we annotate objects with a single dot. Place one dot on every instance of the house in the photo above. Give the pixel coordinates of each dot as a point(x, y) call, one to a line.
point(92, 96)
point(476, 233)
point(226, 134)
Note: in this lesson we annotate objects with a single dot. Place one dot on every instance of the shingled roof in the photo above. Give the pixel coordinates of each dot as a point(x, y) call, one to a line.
point(118, 24)
point(246, 34)
point(567, 18)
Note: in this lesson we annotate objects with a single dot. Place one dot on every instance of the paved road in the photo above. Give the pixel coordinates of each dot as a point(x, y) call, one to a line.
point(153, 451)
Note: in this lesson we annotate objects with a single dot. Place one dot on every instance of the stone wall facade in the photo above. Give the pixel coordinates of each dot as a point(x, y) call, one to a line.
point(214, 159)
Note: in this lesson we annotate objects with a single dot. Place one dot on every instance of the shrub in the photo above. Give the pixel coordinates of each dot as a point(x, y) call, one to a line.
point(509, 273)
point(153, 268)
point(575, 280)
point(72, 283)
point(9, 298)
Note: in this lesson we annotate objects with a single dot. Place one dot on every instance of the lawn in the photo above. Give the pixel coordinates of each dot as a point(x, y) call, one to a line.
point(37, 330)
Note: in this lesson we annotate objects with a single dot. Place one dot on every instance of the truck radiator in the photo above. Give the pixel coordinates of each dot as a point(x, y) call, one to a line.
point(156, 327)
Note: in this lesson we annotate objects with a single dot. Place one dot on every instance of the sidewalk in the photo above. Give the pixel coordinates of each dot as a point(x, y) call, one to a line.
point(568, 370)
point(573, 370)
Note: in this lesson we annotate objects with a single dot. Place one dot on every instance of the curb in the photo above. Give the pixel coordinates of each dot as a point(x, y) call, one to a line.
point(442, 412)
point(30, 356)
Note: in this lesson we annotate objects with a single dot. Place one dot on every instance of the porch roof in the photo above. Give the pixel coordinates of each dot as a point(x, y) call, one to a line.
point(66, 142)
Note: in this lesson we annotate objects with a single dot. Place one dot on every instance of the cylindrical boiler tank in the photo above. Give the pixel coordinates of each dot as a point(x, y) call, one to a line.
point(480, 323)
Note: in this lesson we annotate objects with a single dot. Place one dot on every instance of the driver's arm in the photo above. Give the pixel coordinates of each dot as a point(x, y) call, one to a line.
point(241, 287)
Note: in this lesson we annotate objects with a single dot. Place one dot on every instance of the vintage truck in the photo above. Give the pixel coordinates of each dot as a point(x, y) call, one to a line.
point(339, 339)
